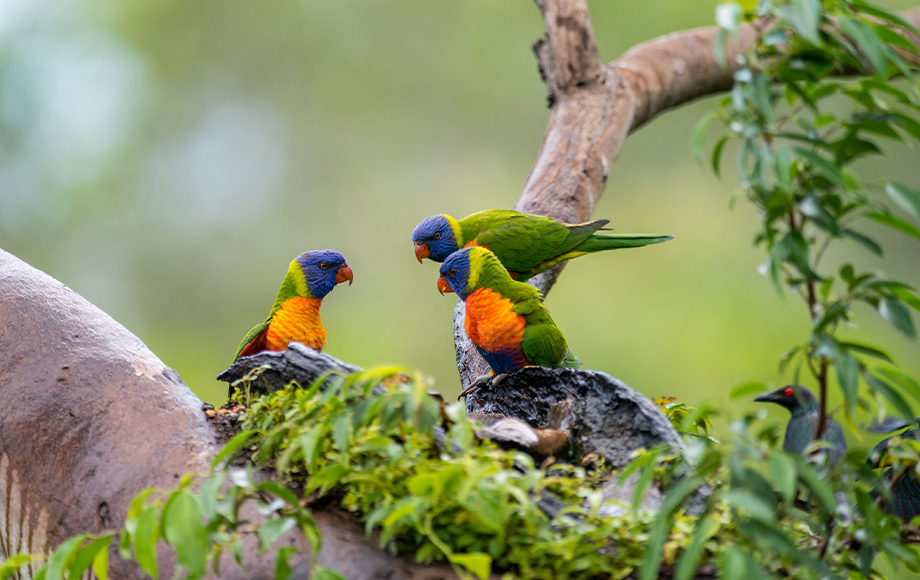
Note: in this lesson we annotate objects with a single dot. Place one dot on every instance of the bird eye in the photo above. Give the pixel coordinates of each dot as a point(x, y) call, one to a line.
point(324, 265)
point(437, 235)
point(788, 391)
point(452, 272)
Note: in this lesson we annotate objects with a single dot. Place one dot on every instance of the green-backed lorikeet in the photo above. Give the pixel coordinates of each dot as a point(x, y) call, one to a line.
point(800, 431)
point(905, 491)
point(295, 315)
point(526, 244)
point(505, 319)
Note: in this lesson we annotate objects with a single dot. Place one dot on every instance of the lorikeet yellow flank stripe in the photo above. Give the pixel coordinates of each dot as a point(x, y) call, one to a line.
point(505, 319)
point(295, 315)
point(526, 244)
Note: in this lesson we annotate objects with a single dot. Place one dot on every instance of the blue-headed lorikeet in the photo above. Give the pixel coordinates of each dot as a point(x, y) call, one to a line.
point(526, 244)
point(295, 314)
point(800, 431)
point(505, 319)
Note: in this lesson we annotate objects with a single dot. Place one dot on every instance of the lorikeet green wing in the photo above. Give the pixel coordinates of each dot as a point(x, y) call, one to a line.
point(529, 244)
point(254, 341)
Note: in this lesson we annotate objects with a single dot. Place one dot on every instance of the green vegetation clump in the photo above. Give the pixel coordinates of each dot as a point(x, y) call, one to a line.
point(429, 488)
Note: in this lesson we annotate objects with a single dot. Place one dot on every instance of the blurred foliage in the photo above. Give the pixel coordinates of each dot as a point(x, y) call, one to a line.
point(168, 159)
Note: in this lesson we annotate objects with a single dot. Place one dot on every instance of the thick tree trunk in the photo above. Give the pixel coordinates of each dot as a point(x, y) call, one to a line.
point(91, 416)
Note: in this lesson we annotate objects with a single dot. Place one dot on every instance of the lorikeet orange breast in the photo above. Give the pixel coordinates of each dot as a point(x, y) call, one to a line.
point(295, 314)
point(505, 319)
point(496, 329)
point(526, 244)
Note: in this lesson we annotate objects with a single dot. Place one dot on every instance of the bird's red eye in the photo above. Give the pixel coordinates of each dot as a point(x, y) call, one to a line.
point(452, 272)
point(324, 265)
point(437, 235)
point(788, 391)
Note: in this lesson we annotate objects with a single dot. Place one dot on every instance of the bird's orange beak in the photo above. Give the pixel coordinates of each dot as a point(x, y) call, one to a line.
point(422, 251)
point(343, 274)
point(443, 286)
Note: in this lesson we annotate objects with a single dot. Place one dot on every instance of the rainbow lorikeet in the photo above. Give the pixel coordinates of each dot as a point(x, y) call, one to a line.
point(800, 431)
point(505, 319)
point(526, 244)
point(295, 315)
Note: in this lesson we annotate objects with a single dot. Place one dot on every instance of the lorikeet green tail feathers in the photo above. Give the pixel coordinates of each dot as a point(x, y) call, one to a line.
point(570, 361)
point(604, 241)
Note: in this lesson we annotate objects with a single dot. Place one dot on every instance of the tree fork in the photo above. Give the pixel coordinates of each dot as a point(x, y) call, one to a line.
point(594, 107)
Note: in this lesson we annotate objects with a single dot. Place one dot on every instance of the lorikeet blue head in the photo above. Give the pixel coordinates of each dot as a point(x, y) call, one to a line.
point(436, 237)
point(455, 273)
point(795, 399)
point(322, 270)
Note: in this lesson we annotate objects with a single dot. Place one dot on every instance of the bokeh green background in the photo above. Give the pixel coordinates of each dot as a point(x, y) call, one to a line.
point(167, 159)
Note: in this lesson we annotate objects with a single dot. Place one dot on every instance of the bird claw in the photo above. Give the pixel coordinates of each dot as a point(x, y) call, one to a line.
point(482, 381)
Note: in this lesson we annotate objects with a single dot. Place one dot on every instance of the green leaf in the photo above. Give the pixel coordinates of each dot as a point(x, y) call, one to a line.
point(906, 296)
point(675, 498)
point(699, 137)
point(864, 241)
point(145, 540)
point(273, 529)
point(283, 569)
point(819, 489)
point(87, 556)
point(784, 473)
point(728, 16)
point(882, 386)
point(804, 17)
point(479, 564)
point(906, 197)
point(867, 41)
point(184, 532)
point(101, 565)
point(717, 156)
point(231, 446)
point(690, 558)
point(848, 375)
point(61, 557)
point(896, 223)
point(906, 382)
point(309, 442)
point(865, 349)
point(747, 389)
point(322, 573)
point(826, 168)
point(895, 314)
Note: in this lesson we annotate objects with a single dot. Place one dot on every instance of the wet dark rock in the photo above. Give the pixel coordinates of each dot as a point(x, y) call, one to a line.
point(270, 371)
point(607, 417)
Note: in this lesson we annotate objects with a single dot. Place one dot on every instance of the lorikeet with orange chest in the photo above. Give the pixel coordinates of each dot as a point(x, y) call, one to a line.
point(295, 315)
point(505, 319)
point(526, 244)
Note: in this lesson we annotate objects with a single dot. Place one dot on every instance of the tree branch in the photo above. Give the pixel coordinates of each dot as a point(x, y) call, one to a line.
point(594, 107)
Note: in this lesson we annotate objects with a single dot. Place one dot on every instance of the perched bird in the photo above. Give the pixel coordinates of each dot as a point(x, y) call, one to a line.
point(526, 244)
point(295, 315)
point(800, 431)
point(505, 319)
point(905, 489)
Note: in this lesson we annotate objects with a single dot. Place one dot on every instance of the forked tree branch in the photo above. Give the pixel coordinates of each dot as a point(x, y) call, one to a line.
point(594, 107)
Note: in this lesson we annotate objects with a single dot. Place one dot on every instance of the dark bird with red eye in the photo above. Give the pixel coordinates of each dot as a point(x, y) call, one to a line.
point(800, 430)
